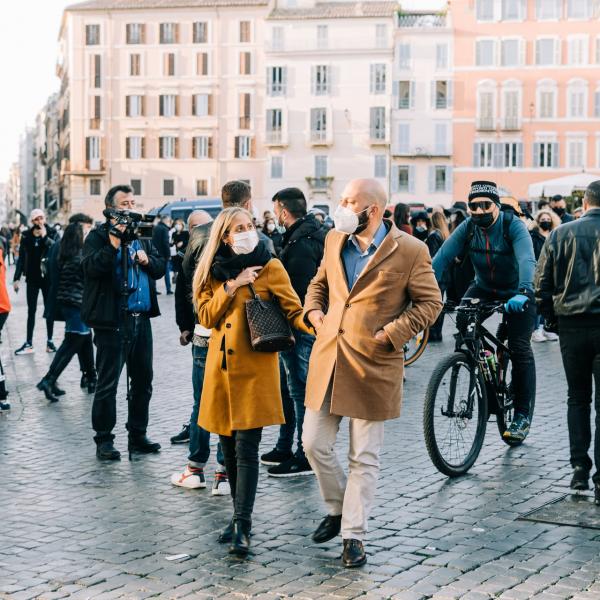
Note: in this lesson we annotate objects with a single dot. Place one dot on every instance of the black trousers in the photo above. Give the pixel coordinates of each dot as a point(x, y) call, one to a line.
point(111, 356)
point(520, 327)
point(240, 452)
point(580, 349)
point(74, 343)
point(33, 291)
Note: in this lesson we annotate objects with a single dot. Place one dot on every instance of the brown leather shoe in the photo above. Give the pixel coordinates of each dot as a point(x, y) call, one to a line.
point(354, 554)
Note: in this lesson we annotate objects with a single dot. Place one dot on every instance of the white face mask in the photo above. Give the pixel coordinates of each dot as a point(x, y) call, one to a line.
point(346, 220)
point(271, 227)
point(245, 242)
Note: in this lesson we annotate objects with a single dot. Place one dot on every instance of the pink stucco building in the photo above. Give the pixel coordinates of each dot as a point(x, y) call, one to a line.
point(527, 91)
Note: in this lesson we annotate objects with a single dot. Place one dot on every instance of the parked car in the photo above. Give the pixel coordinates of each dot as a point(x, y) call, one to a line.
point(181, 209)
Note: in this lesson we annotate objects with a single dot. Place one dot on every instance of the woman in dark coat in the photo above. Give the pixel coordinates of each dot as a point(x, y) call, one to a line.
point(179, 240)
point(69, 297)
point(271, 231)
point(402, 217)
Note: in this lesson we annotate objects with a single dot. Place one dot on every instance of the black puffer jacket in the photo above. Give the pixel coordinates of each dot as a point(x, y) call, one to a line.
point(101, 293)
point(567, 279)
point(538, 241)
point(302, 251)
point(70, 284)
point(33, 250)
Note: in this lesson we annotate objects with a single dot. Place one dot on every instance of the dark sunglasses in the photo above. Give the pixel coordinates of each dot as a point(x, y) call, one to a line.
point(482, 204)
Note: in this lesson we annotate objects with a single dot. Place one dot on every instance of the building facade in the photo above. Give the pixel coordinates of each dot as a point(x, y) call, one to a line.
point(422, 108)
point(27, 171)
point(527, 91)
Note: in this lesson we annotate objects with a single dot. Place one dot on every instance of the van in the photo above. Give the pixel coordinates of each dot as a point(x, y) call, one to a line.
point(183, 208)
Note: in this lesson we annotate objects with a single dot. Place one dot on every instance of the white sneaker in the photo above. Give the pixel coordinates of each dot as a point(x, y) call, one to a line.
point(551, 337)
point(221, 484)
point(538, 335)
point(191, 478)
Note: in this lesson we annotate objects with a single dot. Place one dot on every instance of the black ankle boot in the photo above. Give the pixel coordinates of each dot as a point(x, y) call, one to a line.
point(84, 381)
point(597, 494)
point(240, 541)
point(57, 391)
point(91, 384)
point(142, 445)
point(227, 534)
point(106, 451)
point(46, 386)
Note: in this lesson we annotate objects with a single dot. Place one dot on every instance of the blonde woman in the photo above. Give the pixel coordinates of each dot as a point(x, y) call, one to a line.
point(235, 403)
point(544, 223)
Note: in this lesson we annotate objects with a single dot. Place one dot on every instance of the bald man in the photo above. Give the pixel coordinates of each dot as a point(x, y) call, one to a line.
point(192, 476)
point(374, 291)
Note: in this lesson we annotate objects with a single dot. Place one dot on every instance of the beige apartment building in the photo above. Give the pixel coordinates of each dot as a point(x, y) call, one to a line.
point(162, 95)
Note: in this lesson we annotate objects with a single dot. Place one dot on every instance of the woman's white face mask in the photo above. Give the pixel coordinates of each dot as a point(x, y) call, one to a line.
point(244, 242)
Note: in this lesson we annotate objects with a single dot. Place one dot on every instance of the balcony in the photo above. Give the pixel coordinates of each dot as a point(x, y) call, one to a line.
point(486, 124)
point(421, 21)
point(437, 151)
point(319, 137)
point(511, 124)
point(319, 183)
point(378, 137)
point(275, 137)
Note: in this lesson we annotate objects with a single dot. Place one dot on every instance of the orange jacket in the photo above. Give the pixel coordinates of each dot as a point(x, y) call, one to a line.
point(4, 299)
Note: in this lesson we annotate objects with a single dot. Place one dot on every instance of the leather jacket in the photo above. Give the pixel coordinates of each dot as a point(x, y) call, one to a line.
point(567, 279)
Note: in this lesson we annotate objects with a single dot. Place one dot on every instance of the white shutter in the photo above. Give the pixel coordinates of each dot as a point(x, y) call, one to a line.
point(522, 52)
point(536, 154)
point(404, 137)
point(449, 180)
point(557, 52)
point(432, 93)
point(313, 80)
point(371, 79)
point(498, 155)
point(476, 154)
point(412, 94)
point(597, 104)
point(449, 94)
point(555, 155)
point(394, 176)
point(396, 94)
point(411, 179)
point(519, 146)
point(431, 180)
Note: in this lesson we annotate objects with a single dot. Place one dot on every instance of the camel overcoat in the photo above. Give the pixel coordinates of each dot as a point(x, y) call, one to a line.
point(241, 386)
point(397, 292)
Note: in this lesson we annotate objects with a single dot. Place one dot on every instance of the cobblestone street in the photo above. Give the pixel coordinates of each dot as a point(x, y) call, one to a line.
point(74, 527)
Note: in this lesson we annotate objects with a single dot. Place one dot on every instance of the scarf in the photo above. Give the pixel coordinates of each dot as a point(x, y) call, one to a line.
point(228, 265)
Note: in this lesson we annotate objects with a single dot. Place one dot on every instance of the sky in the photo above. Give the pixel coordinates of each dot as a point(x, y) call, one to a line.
point(28, 46)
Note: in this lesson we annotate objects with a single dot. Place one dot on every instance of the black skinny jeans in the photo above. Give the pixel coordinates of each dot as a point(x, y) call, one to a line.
point(580, 349)
point(74, 343)
point(240, 451)
point(110, 359)
point(33, 290)
point(520, 327)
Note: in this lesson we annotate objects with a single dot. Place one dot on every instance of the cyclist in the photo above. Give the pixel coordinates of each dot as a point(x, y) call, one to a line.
point(501, 251)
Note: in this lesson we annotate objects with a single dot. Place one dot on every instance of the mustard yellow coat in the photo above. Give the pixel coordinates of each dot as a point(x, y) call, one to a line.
point(241, 386)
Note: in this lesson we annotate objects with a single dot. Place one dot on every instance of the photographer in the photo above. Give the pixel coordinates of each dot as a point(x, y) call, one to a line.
point(121, 334)
point(34, 246)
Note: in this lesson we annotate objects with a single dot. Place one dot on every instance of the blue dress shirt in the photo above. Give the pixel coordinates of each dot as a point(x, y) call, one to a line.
point(355, 260)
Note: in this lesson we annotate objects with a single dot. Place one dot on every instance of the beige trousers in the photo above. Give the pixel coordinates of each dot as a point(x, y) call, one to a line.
point(351, 496)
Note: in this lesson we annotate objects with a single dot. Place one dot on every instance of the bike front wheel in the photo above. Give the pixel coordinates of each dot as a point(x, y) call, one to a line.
point(455, 415)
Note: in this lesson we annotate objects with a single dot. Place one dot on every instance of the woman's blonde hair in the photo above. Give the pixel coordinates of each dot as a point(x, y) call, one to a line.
point(438, 220)
point(219, 229)
point(556, 222)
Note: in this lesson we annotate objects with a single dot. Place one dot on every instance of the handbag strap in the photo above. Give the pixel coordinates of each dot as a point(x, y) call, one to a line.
point(253, 292)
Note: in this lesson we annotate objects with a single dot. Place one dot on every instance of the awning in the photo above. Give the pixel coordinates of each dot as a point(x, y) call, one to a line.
point(562, 185)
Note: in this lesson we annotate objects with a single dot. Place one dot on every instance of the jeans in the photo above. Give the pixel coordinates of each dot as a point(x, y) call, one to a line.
point(74, 343)
point(168, 275)
point(110, 358)
point(241, 461)
point(295, 372)
point(580, 349)
point(33, 290)
point(200, 438)
point(520, 327)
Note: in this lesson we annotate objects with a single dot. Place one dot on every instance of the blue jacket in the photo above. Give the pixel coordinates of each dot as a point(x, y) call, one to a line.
point(502, 268)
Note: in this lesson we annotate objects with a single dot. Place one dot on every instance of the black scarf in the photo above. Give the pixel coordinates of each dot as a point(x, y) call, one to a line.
point(228, 265)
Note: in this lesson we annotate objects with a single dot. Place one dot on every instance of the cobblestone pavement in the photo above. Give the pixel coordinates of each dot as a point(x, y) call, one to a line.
point(73, 527)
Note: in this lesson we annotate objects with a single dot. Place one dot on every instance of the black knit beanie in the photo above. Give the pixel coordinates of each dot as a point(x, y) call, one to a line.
point(484, 189)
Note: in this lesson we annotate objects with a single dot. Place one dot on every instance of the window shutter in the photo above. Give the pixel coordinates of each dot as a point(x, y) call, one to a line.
point(597, 104)
point(127, 147)
point(431, 178)
point(127, 106)
point(519, 146)
point(313, 80)
point(449, 180)
point(142, 106)
point(142, 33)
point(161, 105)
point(143, 147)
point(412, 94)
point(253, 148)
point(478, 52)
point(176, 106)
point(555, 155)
point(394, 181)
point(284, 81)
point(395, 93)
point(176, 32)
point(498, 155)
point(372, 79)
point(210, 104)
point(536, 154)
point(476, 154)
point(210, 147)
point(432, 93)
point(160, 148)
point(411, 179)
point(522, 52)
point(237, 146)
point(449, 94)
point(557, 52)
point(176, 147)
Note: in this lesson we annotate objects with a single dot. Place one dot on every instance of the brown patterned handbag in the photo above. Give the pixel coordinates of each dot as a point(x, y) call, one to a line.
point(269, 329)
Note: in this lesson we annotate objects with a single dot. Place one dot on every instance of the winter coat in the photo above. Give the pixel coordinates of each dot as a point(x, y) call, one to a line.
point(538, 241)
point(70, 285)
point(100, 307)
point(29, 263)
point(302, 251)
point(396, 292)
point(234, 394)
point(161, 240)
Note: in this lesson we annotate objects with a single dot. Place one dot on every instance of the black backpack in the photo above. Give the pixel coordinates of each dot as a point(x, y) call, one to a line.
point(507, 218)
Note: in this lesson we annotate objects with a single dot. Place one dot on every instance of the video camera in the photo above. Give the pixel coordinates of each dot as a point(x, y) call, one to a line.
point(138, 225)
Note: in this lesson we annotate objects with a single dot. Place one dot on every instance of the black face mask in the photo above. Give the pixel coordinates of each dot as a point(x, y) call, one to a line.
point(546, 225)
point(420, 235)
point(363, 222)
point(559, 211)
point(484, 220)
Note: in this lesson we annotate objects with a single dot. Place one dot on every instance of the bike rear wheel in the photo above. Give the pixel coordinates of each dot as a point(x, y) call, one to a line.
point(415, 348)
point(455, 415)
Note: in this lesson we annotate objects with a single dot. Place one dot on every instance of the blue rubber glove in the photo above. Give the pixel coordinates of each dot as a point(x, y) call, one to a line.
point(516, 304)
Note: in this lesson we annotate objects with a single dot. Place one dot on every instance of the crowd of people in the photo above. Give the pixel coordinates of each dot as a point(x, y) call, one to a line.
point(336, 300)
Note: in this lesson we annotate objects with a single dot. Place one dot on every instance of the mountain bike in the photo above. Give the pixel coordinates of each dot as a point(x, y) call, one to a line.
point(415, 347)
point(467, 387)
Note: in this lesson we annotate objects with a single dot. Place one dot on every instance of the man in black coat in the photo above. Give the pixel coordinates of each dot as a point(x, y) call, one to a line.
point(568, 296)
point(33, 250)
point(301, 255)
point(161, 238)
point(559, 206)
point(121, 333)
